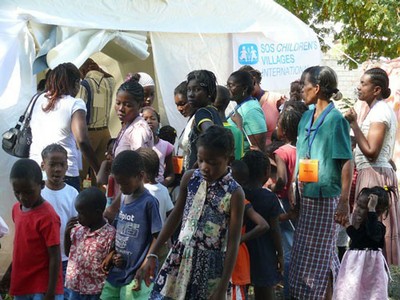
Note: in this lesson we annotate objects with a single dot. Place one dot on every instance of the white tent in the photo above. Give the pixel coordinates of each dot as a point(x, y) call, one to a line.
point(171, 37)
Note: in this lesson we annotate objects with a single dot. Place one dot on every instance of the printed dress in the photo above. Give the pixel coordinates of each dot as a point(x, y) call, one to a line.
point(194, 265)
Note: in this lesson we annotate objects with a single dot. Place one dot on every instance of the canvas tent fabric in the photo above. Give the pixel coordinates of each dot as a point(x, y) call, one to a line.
point(184, 35)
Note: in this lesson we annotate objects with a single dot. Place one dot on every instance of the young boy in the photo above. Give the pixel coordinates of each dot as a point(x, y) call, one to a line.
point(159, 191)
point(137, 223)
point(36, 267)
point(59, 194)
point(87, 243)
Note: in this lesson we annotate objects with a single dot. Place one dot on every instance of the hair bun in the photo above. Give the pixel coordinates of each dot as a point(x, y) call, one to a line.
point(386, 93)
point(337, 95)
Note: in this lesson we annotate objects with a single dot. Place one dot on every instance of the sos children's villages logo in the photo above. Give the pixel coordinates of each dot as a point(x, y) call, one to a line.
point(248, 54)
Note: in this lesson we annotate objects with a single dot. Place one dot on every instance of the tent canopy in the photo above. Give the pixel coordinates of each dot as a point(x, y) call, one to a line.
point(183, 36)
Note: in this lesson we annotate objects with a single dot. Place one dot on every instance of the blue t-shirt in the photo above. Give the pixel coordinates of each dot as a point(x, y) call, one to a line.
point(136, 223)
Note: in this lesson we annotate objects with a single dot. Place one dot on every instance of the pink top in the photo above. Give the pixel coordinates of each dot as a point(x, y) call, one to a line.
point(269, 102)
point(288, 154)
point(137, 134)
point(163, 149)
point(88, 250)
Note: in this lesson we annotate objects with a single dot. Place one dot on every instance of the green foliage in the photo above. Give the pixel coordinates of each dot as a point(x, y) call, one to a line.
point(369, 28)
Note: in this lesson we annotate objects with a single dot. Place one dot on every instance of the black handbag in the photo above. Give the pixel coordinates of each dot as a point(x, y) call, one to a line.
point(17, 140)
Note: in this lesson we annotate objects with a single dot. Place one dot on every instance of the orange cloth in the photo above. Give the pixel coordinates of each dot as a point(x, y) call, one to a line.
point(241, 272)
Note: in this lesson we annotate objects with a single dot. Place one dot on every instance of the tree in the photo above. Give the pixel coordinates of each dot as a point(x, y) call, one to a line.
point(367, 29)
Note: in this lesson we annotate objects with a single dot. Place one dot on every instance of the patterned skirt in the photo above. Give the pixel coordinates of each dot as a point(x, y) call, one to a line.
point(370, 177)
point(363, 274)
point(314, 249)
point(188, 273)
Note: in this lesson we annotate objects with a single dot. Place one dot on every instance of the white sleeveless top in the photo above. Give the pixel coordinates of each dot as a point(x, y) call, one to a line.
point(381, 112)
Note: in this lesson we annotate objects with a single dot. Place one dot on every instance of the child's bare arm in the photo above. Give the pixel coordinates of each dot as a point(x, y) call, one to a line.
point(140, 274)
point(111, 211)
point(234, 231)
point(67, 235)
point(169, 227)
point(6, 280)
point(261, 225)
point(104, 172)
point(169, 171)
point(54, 268)
point(281, 175)
point(277, 240)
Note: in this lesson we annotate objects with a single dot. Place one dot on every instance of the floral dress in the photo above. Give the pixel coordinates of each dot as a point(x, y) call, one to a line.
point(194, 265)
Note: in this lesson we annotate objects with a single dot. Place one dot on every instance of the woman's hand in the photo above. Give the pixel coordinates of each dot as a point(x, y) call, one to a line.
point(351, 115)
point(342, 211)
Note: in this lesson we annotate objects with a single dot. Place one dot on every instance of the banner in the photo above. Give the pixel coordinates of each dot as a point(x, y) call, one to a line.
point(280, 62)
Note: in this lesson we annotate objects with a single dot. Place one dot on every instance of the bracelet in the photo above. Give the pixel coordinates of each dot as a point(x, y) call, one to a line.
point(152, 255)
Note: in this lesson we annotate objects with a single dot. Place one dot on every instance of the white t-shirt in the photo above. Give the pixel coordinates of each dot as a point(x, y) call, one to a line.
point(160, 192)
point(379, 113)
point(63, 202)
point(55, 127)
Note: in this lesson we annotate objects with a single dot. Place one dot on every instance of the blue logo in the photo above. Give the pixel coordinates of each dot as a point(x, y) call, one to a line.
point(248, 54)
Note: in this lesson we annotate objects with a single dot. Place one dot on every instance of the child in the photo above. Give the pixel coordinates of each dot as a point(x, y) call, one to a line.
point(363, 273)
point(210, 202)
point(137, 223)
point(36, 266)
point(168, 133)
point(285, 158)
point(135, 132)
point(241, 272)
point(201, 93)
point(266, 254)
point(59, 194)
point(163, 149)
point(159, 191)
point(87, 243)
point(221, 103)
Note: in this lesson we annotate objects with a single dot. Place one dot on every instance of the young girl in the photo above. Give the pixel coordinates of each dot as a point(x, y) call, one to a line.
point(210, 204)
point(285, 159)
point(363, 273)
point(135, 132)
point(266, 254)
point(201, 93)
point(163, 149)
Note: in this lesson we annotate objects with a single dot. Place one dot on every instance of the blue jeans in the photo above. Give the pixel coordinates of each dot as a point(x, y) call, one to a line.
point(287, 233)
point(67, 291)
point(36, 297)
point(76, 296)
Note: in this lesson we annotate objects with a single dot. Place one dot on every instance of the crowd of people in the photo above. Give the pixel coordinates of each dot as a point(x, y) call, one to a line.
point(247, 200)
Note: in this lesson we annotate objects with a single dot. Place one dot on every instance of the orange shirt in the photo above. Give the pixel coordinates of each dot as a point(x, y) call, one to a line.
point(241, 272)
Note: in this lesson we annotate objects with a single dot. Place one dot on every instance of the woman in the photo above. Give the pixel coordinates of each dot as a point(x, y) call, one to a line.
point(247, 114)
point(147, 83)
point(324, 140)
point(375, 132)
point(60, 118)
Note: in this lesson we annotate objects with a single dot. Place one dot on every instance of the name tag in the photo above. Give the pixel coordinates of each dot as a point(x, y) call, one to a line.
point(308, 170)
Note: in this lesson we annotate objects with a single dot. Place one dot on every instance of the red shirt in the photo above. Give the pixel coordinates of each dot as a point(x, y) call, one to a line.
point(288, 154)
point(35, 231)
